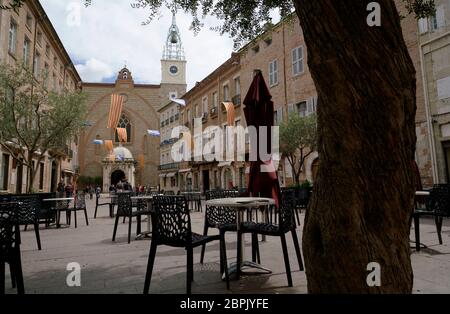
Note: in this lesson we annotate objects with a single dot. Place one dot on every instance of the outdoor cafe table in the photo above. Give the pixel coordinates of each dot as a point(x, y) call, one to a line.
point(241, 205)
point(58, 211)
point(417, 221)
point(148, 198)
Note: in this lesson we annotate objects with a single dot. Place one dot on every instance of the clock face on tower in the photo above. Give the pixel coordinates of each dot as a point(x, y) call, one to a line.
point(173, 70)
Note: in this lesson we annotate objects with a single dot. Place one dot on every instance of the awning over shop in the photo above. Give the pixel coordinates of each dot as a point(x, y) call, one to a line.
point(68, 171)
point(224, 164)
point(162, 175)
point(185, 170)
point(171, 174)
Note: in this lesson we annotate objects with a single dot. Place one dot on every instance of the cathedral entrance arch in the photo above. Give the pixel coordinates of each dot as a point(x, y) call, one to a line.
point(117, 176)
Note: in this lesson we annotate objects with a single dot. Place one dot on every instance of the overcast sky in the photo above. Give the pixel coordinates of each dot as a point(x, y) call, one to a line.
point(109, 33)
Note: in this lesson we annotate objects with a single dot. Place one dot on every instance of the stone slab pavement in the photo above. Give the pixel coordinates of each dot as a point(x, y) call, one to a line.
point(119, 268)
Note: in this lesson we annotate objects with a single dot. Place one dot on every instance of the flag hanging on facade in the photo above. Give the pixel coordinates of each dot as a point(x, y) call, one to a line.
point(154, 133)
point(109, 146)
point(181, 102)
point(122, 135)
point(115, 110)
point(229, 106)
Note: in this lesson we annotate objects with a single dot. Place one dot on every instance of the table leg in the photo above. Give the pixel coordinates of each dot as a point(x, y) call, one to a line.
point(417, 232)
point(232, 270)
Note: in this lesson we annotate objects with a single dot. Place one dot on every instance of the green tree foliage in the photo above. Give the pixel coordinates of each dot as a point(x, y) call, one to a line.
point(242, 20)
point(34, 121)
point(298, 140)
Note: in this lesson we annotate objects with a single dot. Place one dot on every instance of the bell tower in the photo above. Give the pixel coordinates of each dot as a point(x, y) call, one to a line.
point(173, 62)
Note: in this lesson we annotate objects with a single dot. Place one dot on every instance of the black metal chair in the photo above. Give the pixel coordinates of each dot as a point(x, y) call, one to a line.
point(437, 205)
point(194, 200)
point(172, 226)
point(79, 205)
point(125, 210)
point(286, 223)
point(28, 214)
point(224, 219)
point(110, 204)
point(10, 247)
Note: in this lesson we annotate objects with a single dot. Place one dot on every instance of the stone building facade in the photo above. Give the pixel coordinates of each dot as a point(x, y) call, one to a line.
point(28, 37)
point(204, 110)
point(434, 51)
point(281, 54)
point(169, 178)
point(138, 159)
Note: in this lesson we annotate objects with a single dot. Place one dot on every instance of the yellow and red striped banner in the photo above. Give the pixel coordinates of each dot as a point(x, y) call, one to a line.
point(115, 110)
point(109, 146)
point(229, 106)
point(122, 135)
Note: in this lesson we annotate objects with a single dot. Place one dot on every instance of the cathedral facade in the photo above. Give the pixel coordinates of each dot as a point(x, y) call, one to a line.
point(138, 159)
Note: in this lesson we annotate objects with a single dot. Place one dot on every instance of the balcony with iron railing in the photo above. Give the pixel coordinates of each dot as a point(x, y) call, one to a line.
point(213, 112)
point(205, 117)
point(237, 100)
point(172, 166)
point(168, 142)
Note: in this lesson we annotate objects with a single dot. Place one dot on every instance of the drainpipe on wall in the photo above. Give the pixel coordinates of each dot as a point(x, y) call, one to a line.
point(432, 142)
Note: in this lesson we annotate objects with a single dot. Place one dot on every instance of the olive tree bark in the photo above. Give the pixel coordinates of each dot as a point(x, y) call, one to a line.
point(364, 193)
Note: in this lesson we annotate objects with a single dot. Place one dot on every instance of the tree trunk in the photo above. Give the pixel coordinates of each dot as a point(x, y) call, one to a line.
point(31, 174)
point(364, 193)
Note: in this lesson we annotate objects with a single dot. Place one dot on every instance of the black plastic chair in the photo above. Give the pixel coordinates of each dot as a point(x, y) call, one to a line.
point(172, 226)
point(28, 214)
point(79, 205)
point(110, 205)
point(437, 205)
point(10, 246)
point(194, 200)
point(286, 223)
point(125, 210)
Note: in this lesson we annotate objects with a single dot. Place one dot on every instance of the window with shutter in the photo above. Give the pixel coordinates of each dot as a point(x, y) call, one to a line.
point(290, 108)
point(423, 25)
point(440, 16)
point(297, 61)
point(309, 106)
point(273, 73)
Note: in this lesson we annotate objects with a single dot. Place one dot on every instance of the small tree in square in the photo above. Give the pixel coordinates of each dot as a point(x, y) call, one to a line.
point(298, 140)
point(34, 121)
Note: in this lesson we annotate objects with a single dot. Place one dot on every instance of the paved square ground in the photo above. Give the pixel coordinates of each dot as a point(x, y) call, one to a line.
point(111, 268)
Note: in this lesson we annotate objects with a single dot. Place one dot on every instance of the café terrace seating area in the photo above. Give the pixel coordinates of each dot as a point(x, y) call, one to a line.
point(188, 243)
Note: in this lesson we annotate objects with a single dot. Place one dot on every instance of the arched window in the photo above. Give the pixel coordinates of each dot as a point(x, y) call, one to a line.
point(124, 123)
point(125, 75)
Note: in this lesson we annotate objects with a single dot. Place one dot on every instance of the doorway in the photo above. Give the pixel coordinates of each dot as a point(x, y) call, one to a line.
point(446, 148)
point(53, 178)
point(117, 176)
point(19, 180)
point(205, 181)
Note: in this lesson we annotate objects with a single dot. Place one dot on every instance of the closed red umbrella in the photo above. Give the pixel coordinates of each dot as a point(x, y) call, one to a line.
point(263, 181)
